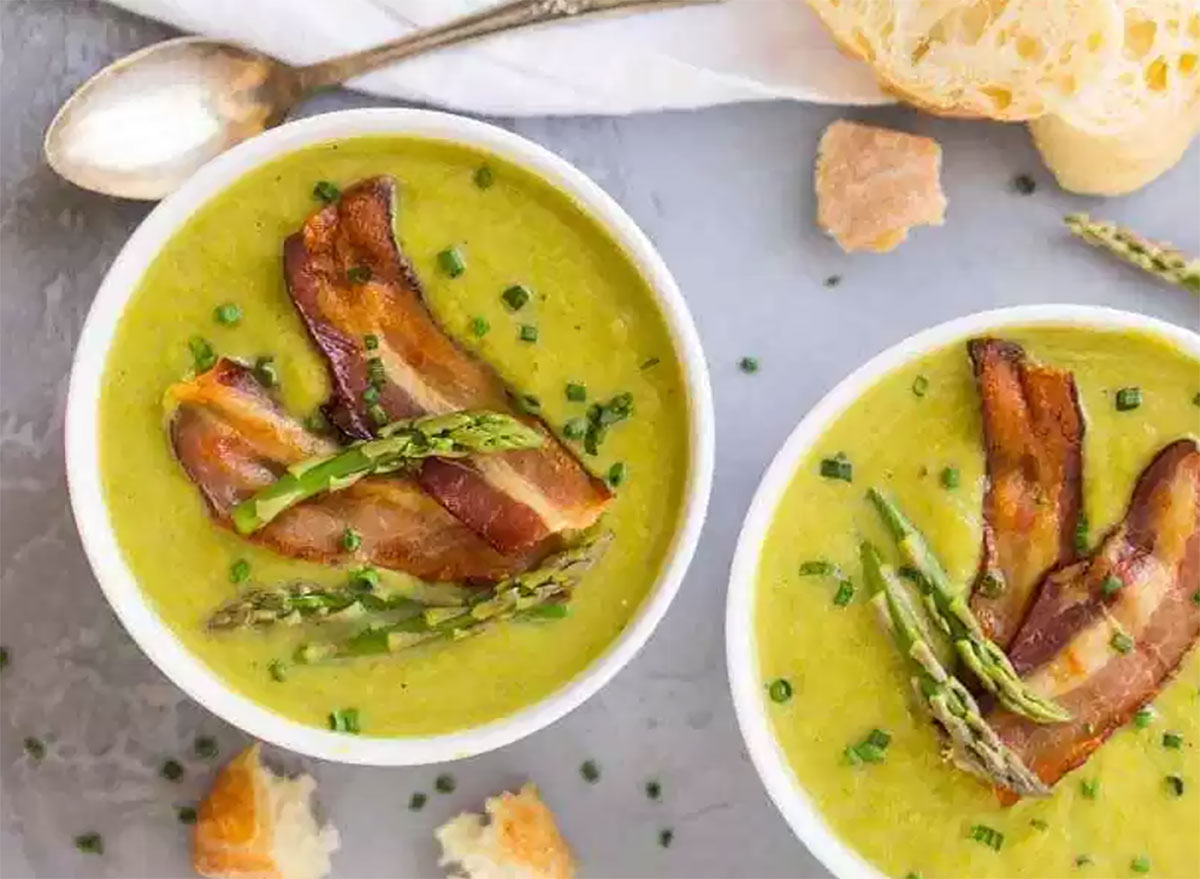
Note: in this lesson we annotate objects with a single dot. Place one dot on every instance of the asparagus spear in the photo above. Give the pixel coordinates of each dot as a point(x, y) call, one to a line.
point(446, 436)
point(304, 601)
point(972, 744)
point(1159, 259)
point(983, 656)
point(529, 592)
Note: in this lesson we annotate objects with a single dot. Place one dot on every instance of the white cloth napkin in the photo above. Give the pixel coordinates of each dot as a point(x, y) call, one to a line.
point(739, 50)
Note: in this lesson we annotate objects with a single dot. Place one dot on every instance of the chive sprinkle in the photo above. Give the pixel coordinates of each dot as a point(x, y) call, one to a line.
point(653, 789)
point(203, 356)
point(1024, 184)
point(90, 843)
point(1039, 824)
point(576, 392)
point(186, 814)
point(451, 262)
point(989, 836)
point(205, 747)
point(345, 720)
point(370, 395)
point(590, 771)
point(351, 540)
point(1089, 788)
point(833, 280)
point(266, 371)
point(920, 386)
point(239, 571)
point(516, 297)
point(1083, 861)
point(651, 362)
point(1143, 717)
point(780, 690)
point(480, 327)
point(837, 467)
point(1172, 740)
point(844, 594)
point(3, 658)
point(227, 314)
point(575, 428)
point(370, 341)
point(1175, 785)
point(870, 749)
point(358, 274)
point(913, 874)
point(1128, 399)
point(992, 583)
point(277, 670)
point(317, 422)
point(445, 783)
point(417, 801)
point(172, 770)
point(665, 837)
point(1111, 585)
point(617, 473)
point(950, 477)
point(484, 177)
point(35, 748)
point(378, 415)
point(1121, 642)
point(817, 568)
point(1140, 864)
point(748, 365)
point(326, 191)
point(1081, 533)
point(528, 333)
point(364, 579)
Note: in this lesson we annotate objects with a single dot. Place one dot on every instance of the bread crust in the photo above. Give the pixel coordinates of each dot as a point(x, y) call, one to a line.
point(521, 839)
point(234, 828)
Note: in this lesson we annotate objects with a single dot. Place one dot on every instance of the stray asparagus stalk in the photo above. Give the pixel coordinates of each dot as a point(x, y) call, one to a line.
point(1159, 259)
point(530, 594)
point(983, 656)
point(972, 744)
point(305, 602)
point(445, 436)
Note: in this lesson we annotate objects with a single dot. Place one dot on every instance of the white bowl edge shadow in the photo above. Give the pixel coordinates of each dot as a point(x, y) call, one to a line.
point(120, 587)
point(749, 695)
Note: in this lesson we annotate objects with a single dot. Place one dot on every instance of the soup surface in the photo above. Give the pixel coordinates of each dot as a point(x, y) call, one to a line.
point(912, 813)
point(597, 325)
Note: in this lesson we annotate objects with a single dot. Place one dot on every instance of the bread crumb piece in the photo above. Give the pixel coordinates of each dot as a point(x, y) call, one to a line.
point(520, 841)
point(874, 184)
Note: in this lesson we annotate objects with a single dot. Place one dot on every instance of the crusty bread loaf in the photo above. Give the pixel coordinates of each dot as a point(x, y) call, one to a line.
point(873, 184)
point(1000, 59)
point(256, 825)
point(520, 841)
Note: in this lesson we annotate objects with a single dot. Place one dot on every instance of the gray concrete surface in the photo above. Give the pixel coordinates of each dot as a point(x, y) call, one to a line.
point(726, 194)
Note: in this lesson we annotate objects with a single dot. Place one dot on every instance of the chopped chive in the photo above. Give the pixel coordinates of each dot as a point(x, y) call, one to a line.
point(35, 748)
point(845, 592)
point(266, 371)
point(1140, 864)
point(172, 770)
point(345, 720)
point(317, 422)
point(90, 843)
point(652, 362)
point(1111, 585)
point(1083, 861)
point(1196, 598)
point(780, 690)
point(480, 327)
point(205, 747)
point(358, 274)
point(351, 540)
point(1081, 533)
point(837, 467)
point(186, 814)
point(370, 395)
point(879, 738)
point(378, 415)
point(863, 752)
point(370, 341)
point(1089, 788)
point(1128, 399)
point(989, 836)
point(665, 837)
point(545, 612)
point(530, 402)
point(575, 428)
point(1039, 824)
point(920, 386)
point(1024, 184)
point(484, 177)
point(445, 783)
point(277, 670)
point(950, 477)
point(364, 579)
point(576, 392)
point(1175, 785)
point(528, 333)
point(913, 874)
point(992, 583)
point(616, 474)
point(1121, 642)
point(376, 372)
point(748, 365)
point(203, 356)
point(590, 771)
point(817, 568)
point(417, 801)
point(3, 658)
point(653, 789)
point(451, 262)
point(239, 571)
point(1172, 740)
point(516, 297)
point(833, 280)
point(326, 191)
point(1143, 717)
point(227, 314)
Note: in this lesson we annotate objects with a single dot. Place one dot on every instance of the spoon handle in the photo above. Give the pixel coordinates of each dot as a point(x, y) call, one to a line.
point(506, 16)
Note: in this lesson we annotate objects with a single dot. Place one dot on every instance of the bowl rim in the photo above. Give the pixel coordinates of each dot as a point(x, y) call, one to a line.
point(750, 703)
point(134, 608)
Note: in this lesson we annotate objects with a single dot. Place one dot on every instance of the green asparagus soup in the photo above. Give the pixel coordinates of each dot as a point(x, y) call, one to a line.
point(1135, 805)
point(597, 326)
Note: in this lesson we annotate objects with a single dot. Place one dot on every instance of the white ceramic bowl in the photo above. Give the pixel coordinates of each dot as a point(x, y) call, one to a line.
point(745, 679)
point(83, 461)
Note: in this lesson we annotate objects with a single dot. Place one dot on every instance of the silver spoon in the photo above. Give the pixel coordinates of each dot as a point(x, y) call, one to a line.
point(142, 125)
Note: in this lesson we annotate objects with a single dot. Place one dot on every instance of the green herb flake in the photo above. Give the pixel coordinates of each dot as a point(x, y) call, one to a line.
point(748, 365)
point(277, 670)
point(480, 327)
point(351, 540)
point(649, 363)
point(665, 837)
point(185, 814)
point(1143, 717)
point(844, 594)
point(1081, 533)
point(1089, 789)
point(227, 314)
point(417, 801)
point(950, 477)
point(1128, 399)
point(1023, 184)
point(1039, 824)
point(1175, 785)
point(239, 571)
point(364, 579)
point(317, 422)
point(989, 836)
point(205, 747)
point(913, 874)
point(1140, 864)
point(1172, 740)
point(451, 262)
point(528, 333)
point(590, 771)
point(345, 720)
point(203, 356)
point(445, 783)
point(371, 342)
point(1121, 642)
point(484, 177)
point(1111, 585)
point(780, 690)
point(832, 280)
point(266, 372)
point(992, 583)
point(3, 658)
point(575, 428)
point(617, 474)
point(358, 274)
point(172, 770)
point(920, 386)
point(653, 789)
point(817, 568)
point(516, 297)
point(837, 467)
point(90, 843)
point(35, 748)
point(326, 191)
point(576, 392)
point(1083, 861)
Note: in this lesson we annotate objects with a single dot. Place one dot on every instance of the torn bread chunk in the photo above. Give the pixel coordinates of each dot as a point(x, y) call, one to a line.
point(874, 184)
point(256, 825)
point(518, 841)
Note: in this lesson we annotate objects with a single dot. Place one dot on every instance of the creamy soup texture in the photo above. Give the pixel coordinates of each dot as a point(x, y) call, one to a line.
point(913, 813)
point(597, 325)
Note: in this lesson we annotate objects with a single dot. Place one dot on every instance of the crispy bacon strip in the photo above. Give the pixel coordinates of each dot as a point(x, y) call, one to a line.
point(1071, 647)
point(1033, 431)
point(350, 281)
point(232, 439)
